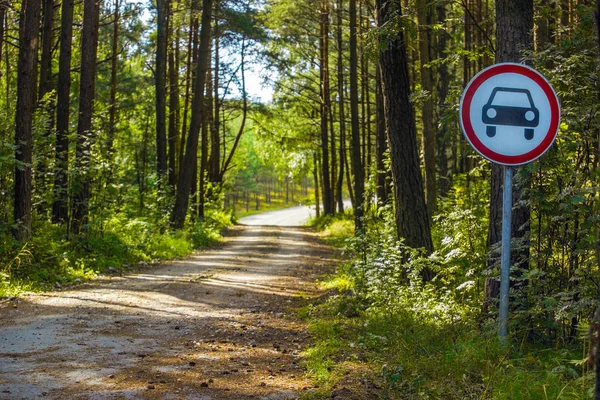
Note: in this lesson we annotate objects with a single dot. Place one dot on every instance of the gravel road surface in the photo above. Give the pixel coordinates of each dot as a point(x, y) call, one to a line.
point(217, 325)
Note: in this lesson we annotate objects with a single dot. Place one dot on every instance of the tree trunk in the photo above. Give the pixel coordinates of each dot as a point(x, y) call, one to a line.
point(160, 87)
point(443, 84)
point(87, 91)
point(26, 90)
point(316, 178)
point(214, 163)
point(173, 136)
point(412, 221)
point(424, 17)
point(514, 27)
point(63, 91)
point(328, 208)
point(341, 107)
point(114, 64)
point(204, 147)
point(47, 107)
point(46, 56)
point(597, 316)
point(3, 8)
point(191, 50)
point(357, 165)
point(382, 187)
point(198, 114)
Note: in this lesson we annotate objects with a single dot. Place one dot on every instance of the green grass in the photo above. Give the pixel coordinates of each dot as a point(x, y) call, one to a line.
point(336, 229)
point(411, 355)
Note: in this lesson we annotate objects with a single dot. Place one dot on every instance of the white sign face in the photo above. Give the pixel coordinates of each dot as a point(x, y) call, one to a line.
point(510, 114)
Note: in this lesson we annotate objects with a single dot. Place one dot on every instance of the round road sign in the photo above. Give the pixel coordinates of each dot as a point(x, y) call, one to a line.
point(510, 114)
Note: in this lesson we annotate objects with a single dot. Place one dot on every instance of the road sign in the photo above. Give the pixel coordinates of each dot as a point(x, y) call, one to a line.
point(510, 114)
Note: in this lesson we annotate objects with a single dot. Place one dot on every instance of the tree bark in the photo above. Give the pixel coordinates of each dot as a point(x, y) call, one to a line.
point(424, 17)
point(26, 90)
point(357, 165)
point(198, 114)
point(341, 108)
point(3, 8)
point(47, 106)
point(191, 52)
point(63, 91)
point(382, 186)
point(46, 56)
point(328, 205)
point(597, 316)
point(160, 87)
point(173, 135)
point(412, 221)
point(214, 162)
point(514, 27)
point(114, 64)
point(443, 84)
point(87, 92)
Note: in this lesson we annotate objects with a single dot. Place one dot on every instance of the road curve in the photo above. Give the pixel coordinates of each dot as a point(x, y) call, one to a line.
point(292, 216)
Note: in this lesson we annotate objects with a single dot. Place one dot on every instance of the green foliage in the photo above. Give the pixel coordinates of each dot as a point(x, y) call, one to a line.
point(50, 258)
point(422, 343)
point(428, 340)
point(337, 229)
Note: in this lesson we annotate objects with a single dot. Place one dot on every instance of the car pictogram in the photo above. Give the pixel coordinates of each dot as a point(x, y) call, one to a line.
point(510, 107)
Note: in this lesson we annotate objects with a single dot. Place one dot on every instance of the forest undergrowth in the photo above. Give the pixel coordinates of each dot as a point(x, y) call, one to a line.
point(384, 332)
point(51, 259)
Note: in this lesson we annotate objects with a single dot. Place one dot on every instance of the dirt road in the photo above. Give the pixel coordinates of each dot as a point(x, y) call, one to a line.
point(217, 325)
point(292, 216)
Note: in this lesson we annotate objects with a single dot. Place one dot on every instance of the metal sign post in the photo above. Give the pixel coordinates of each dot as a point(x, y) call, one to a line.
point(510, 114)
point(505, 256)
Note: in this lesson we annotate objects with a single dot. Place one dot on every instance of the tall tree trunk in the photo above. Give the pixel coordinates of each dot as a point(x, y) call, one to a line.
point(47, 42)
point(173, 135)
point(597, 316)
point(3, 8)
point(514, 27)
point(114, 64)
point(214, 163)
point(382, 187)
point(45, 89)
point(424, 16)
point(160, 87)
point(357, 165)
point(191, 51)
point(186, 175)
point(317, 185)
point(328, 206)
point(412, 221)
point(87, 92)
point(443, 84)
point(26, 89)
point(63, 91)
point(342, 114)
point(204, 146)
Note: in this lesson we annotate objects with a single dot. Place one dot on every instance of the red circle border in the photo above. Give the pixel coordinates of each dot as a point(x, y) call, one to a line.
point(467, 127)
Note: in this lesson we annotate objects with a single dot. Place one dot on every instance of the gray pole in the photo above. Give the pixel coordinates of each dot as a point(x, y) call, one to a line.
point(505, 257)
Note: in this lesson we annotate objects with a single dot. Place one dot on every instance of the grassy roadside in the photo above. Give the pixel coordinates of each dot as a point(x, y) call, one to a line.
point(423, 344)
point(49, 260)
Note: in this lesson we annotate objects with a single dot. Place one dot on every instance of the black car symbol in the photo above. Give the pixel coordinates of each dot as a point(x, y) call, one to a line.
point(510, 107)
